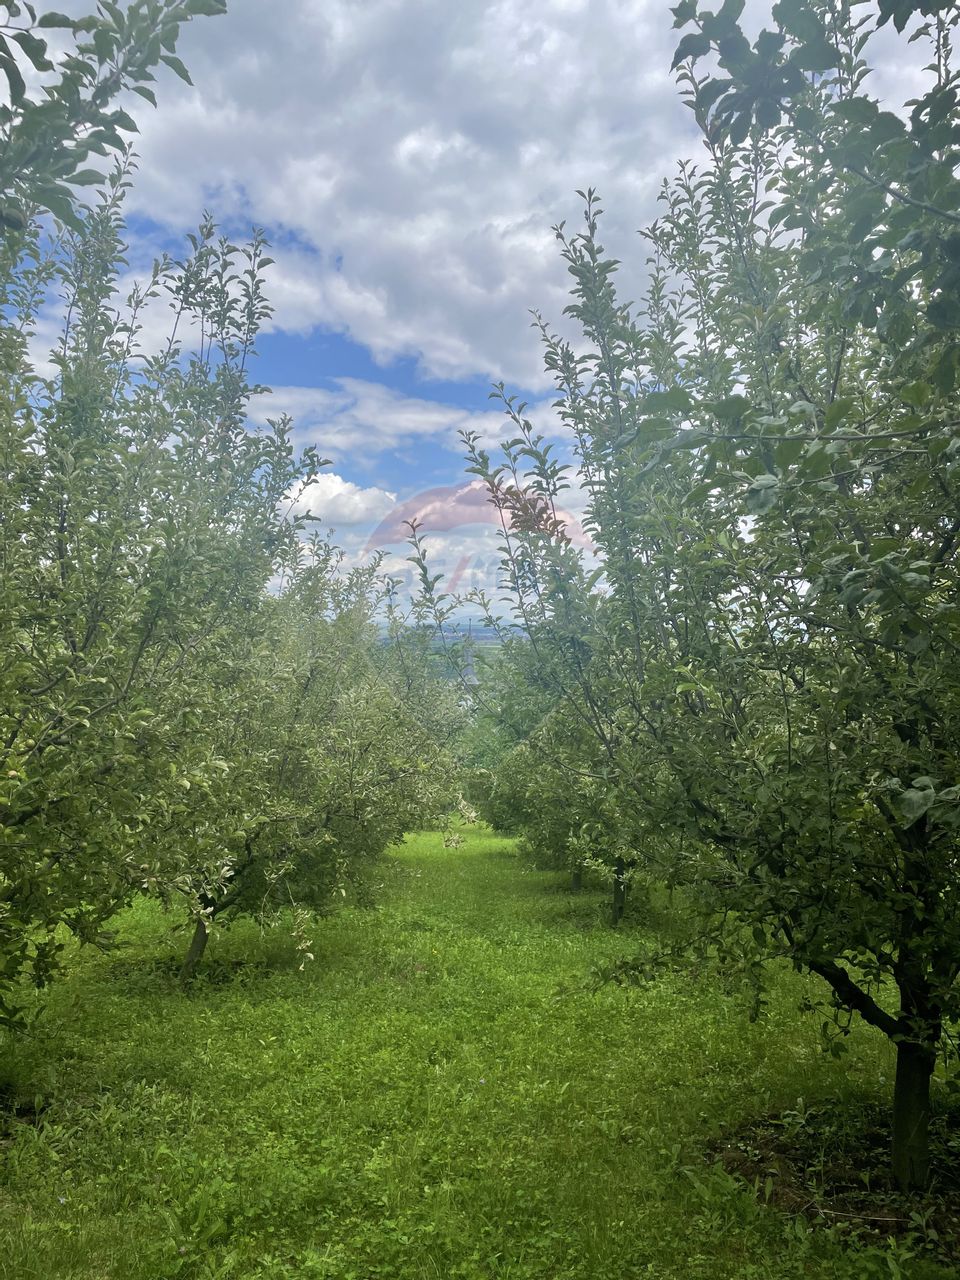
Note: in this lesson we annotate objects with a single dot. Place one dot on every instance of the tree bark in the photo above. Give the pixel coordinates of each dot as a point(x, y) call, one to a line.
point(911, 1115)
point(195, 952)
point(619, 891)
point(576, 878)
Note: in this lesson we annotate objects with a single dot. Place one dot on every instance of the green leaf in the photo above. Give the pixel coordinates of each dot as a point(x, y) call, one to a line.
point(115, 12)
point(799, 20)
point(85, 178)
point(15, 80)
point(55, 20)
point(730, 409)
point(914, 803)
point(886, 127)
point(734, 50)
point(739, 127)
point(944, 372)
point(916, 394)
point(698, 494)
point(123, 121)
point(901, 11)
point(762, 494)
point(59, 201)
point(837, 411)
point(684, 12)
point(177, 67)
point(675, 398)
point(944, 312)
point(769, 44)
point(803, 408)
point(788, 451)
point(34, 48)
point(818, 55)
point(104, 44)
point(856, 110)
point(769, 113)
point(708, 93)
point(12, 219)
point(693, 46)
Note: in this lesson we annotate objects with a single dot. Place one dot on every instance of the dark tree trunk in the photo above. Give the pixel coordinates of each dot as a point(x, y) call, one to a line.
point(619, 891)
point(916, 1034)
point(198, 944)
point(911, 1115)
point(920, 1026)
point(576, 878)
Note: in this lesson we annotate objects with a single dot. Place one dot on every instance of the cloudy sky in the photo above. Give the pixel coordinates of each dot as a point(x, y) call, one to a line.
point(408, 159)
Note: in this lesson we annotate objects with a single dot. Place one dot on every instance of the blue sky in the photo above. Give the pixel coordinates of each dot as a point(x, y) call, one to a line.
point(408, 159)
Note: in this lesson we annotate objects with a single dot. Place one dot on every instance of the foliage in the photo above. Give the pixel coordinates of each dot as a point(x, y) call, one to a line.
point(142, 523)
point(62, 107)
point(551, 788)
point(769, 454)
point(506, 709)
point(333, 740)
point(171, 726)
point(193, 702)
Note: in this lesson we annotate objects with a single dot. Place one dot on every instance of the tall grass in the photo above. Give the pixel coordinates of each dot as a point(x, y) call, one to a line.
point(437, 1097)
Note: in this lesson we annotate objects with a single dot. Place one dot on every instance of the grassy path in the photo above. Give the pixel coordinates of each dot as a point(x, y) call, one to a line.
point(420, 1103)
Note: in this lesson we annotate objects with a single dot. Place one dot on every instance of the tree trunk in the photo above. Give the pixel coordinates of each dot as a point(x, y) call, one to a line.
point(911, 1115)
point(195, 952)
point(619, 891)
point(576, 878)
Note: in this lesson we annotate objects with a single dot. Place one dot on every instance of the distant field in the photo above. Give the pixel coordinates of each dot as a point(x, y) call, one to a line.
point(437, 1097)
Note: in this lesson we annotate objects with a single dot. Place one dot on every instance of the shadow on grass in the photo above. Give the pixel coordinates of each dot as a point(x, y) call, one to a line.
point(830, 1163)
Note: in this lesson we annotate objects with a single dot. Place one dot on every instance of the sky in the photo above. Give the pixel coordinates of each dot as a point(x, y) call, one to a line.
point(408, 160)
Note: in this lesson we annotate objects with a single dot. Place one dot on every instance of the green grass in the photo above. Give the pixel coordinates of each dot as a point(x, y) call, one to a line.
point(418, 1103)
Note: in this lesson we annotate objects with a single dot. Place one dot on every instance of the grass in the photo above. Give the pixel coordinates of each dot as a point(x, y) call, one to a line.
point(437, 1097)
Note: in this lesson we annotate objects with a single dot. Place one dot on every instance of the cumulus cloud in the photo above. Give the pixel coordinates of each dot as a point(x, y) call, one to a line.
point(411, 156)
point(338, 502)
point(359, 419)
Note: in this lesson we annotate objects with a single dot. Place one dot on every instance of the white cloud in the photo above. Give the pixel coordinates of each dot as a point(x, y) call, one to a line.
point(412, 156)
point(360, 420)
point(339, 502)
